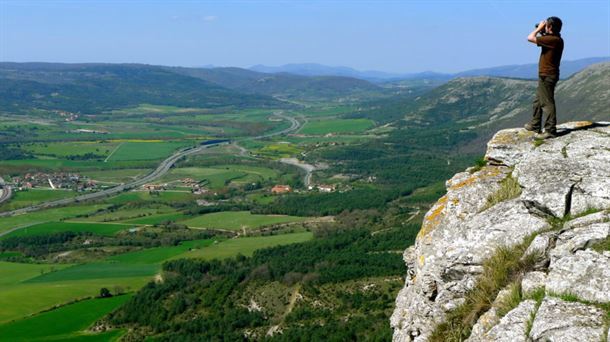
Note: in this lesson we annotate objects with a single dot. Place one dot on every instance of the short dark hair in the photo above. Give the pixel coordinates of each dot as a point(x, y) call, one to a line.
point(555, 23)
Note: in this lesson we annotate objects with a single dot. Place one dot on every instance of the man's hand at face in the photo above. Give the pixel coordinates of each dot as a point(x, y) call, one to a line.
point(532, 36)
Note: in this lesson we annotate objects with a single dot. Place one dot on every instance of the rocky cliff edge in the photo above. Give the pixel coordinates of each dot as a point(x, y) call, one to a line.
point(550, 198)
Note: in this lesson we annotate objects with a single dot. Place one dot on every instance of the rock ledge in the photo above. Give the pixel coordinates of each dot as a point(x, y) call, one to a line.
point(568, 176)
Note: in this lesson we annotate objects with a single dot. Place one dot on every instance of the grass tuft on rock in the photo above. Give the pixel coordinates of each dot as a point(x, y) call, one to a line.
point(506, 266)
point(509, 189)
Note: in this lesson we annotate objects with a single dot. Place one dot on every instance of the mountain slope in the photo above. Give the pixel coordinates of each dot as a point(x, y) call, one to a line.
point(282, 84)
point(92, 88)
point(568, 68)
point(486, 104)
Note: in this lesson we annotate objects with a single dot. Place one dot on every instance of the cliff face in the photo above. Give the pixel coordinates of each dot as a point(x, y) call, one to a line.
point(554, 193)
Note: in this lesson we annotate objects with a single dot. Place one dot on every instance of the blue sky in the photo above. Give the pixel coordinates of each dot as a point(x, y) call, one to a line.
point(398, 36)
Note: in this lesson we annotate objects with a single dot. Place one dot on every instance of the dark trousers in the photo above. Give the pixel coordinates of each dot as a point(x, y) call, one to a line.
point(545, 104)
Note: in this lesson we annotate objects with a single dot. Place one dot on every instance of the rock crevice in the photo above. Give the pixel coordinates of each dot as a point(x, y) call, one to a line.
point(560, 179)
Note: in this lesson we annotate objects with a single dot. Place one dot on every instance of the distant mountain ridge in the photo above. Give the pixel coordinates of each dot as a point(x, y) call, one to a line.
point(568, 68)
point(283, 85)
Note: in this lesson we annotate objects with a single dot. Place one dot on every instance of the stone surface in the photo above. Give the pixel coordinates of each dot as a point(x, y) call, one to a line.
point(489, 319)
point(566, 175)
point(558, 320)
point(513, 326)
point(572, 240)
point(533, 281)
point(585, 274)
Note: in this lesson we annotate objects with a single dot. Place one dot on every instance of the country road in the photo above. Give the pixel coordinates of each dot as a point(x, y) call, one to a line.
point(157, 173)
point(308, 168)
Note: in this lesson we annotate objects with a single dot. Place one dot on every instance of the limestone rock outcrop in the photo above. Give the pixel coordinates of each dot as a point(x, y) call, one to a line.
point(560, 195)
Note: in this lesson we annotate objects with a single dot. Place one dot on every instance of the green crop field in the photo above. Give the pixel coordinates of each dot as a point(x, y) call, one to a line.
point(66, 149)
point(245, 246)
point(116, 176)
point(130, 150)
point(160, 254)
point(124, 214)
point(35, 297)
point(336, 126)
point(56, 227)
point(281, 149)
point(98, 270)
point(29, 197)
point(156, 219)
point(47, 215)
point(66, 322)
point(139, 196)
point(235, 220)
point(218, 176)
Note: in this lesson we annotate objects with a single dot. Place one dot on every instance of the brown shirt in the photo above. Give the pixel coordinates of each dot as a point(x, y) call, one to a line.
point(550, 57)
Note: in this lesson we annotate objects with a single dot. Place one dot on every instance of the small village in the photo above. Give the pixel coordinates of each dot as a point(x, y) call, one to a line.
point(59, 180)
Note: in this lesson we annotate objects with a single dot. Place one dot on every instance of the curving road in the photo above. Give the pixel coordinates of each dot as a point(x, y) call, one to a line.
point(157, 173)
point(5, 191)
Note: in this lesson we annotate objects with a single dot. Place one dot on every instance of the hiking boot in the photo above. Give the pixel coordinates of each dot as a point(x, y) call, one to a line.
point(528, 126)
point(546, 135)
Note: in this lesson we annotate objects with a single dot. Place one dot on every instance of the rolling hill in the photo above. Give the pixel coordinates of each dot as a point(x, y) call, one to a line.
point(283, 85)
point(92, 88)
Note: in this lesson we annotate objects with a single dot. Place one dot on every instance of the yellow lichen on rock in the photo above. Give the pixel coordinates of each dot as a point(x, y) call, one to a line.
point(511, 137)
point(433, 217)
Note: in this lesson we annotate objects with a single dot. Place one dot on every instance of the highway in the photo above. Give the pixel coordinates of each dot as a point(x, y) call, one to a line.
point(157, 173)
point(5, 191)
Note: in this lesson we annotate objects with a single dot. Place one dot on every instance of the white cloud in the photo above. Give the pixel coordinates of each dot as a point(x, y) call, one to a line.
point(210, 18)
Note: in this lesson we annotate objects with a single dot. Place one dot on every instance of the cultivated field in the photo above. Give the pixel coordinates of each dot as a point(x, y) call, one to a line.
point(244, 246)
point(236, 220)
point(67, 323)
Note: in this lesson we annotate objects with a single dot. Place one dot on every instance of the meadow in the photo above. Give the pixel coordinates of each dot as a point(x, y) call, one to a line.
point(57, 227)
point(219, 176)
point(160, 254)
point(54, 214)
point(65, 323)
point(72, 149)
point(244, 246)
point(38, 296)
point(130, 150)
point(321, 127)
point(30, 197)
point(236, 220)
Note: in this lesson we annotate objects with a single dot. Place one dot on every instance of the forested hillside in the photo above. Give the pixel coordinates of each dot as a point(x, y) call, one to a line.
point(92, 88)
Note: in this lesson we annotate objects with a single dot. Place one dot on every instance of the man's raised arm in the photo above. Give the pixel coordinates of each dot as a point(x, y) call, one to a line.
point(532, 36)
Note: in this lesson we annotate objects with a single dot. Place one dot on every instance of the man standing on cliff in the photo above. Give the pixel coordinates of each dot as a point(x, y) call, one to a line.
point(548, 74)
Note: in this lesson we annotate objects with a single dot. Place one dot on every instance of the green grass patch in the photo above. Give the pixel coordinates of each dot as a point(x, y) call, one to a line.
point(279, 150)
point(30, 197)
point(140, 196)
point(20, 299)
point(116, 176)
point(234, 220)
point(156, 219)
point(322, 127)
point(146, 150)
point(160, 254)
point(504, 267)
point(98, 270)
point(245, 246)
point(509, 189)
point(47, 215)
point(66, 322)
point(69, 149)
point(57, 227)
point(219, 176)
point(602, 246)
